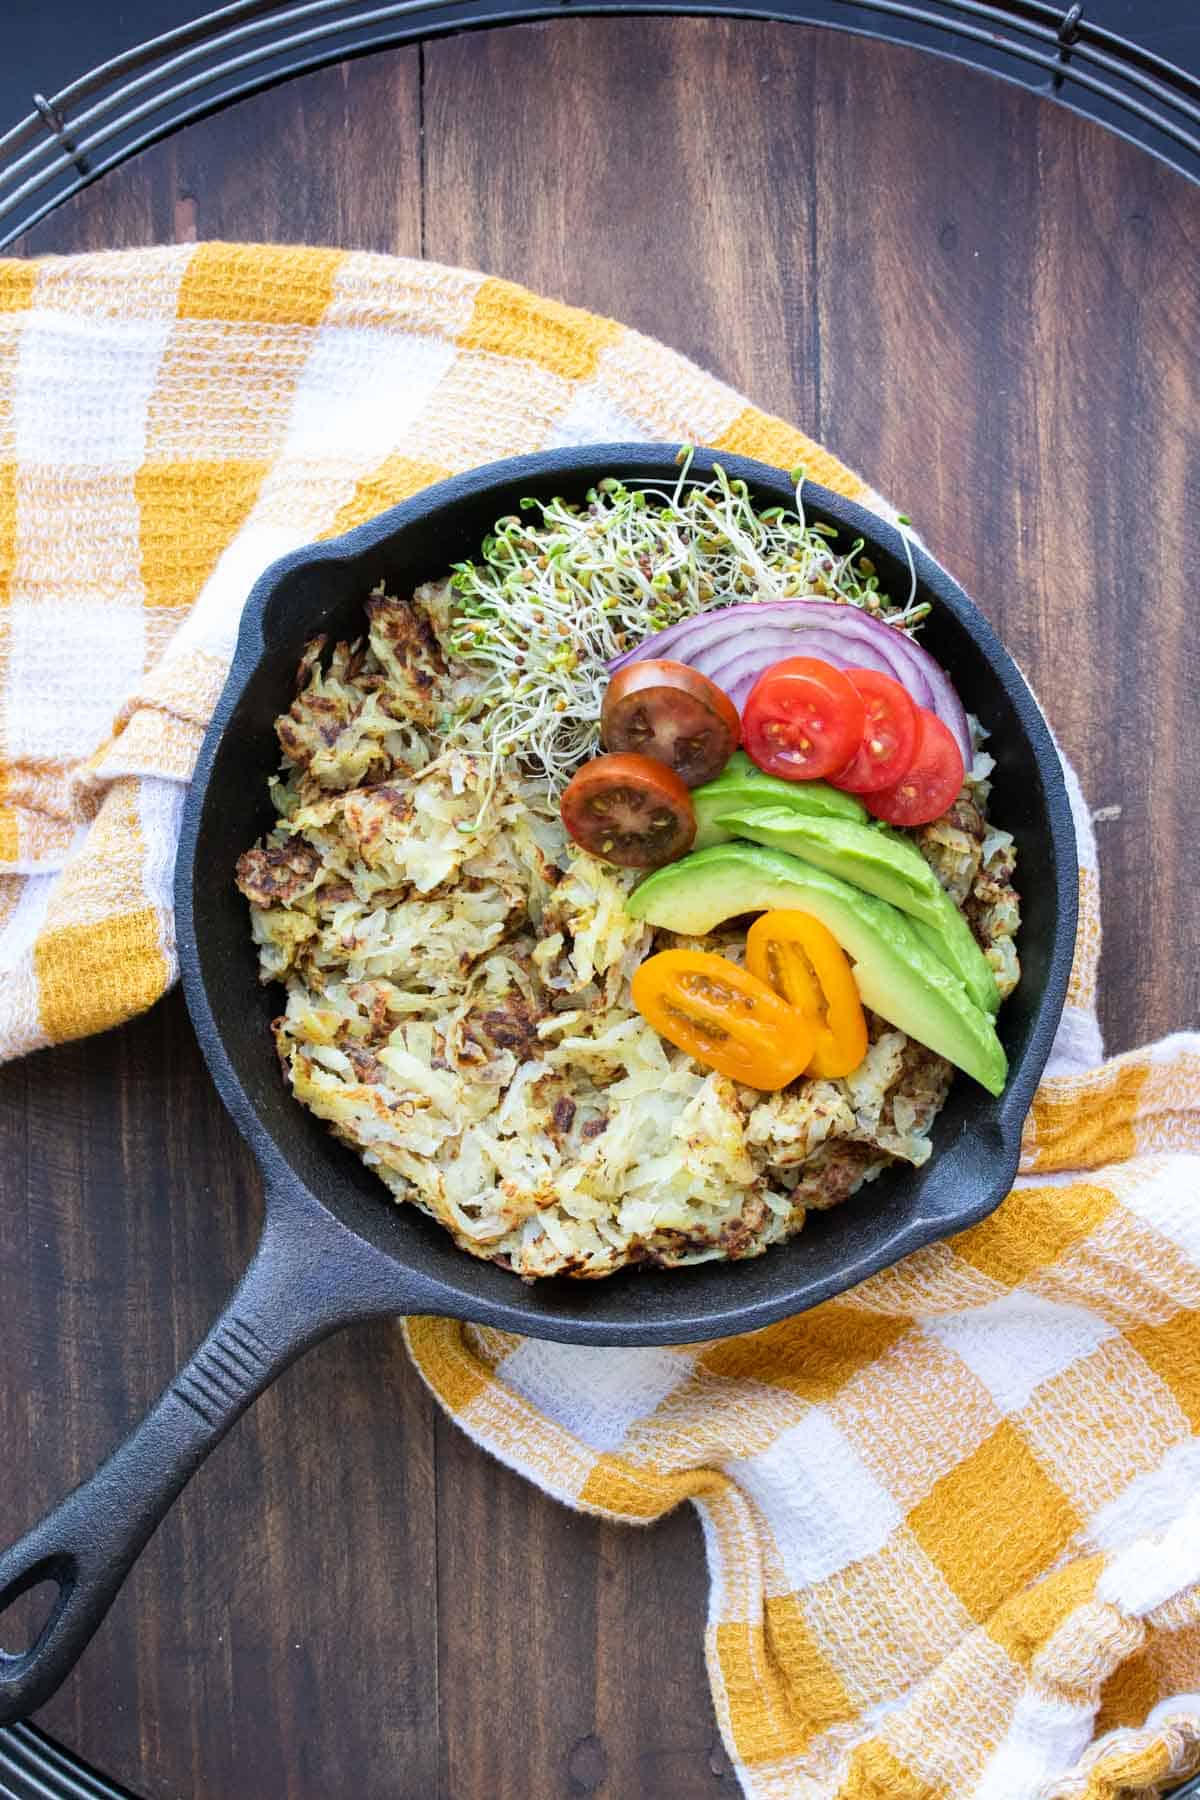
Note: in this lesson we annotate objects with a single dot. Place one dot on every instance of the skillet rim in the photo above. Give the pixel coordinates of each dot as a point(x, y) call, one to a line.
point(416, 1290)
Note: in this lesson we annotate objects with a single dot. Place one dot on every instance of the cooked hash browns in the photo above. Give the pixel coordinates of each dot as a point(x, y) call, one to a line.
point(458, 1006)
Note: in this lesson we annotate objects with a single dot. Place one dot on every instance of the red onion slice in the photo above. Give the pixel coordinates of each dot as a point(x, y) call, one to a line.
point(740, 669)
point(734, 644)
point(755, 644)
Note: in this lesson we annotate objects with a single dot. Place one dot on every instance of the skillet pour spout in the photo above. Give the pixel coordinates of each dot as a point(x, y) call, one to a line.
point(334, 1248)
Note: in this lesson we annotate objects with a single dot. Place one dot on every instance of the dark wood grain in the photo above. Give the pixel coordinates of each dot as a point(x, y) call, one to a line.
point(1009, 350)
point(244, 1656)
point(658, 172)
point(991, 308)
point(330, 158)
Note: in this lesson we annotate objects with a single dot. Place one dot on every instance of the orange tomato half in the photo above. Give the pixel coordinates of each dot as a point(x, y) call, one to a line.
point(724, 1017)
point(800, 958)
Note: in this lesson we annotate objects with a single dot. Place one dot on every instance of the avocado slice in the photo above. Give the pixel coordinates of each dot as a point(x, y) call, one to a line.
point(885, 864)
point(742, 783)
point(898, 976)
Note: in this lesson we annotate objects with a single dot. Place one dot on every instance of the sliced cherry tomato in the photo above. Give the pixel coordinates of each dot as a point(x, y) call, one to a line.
point(889, 736)
point(931, 782)
point(802, 720)
point(724, 1017)
point(802, 960)
point(674, 714)
point(629, 810)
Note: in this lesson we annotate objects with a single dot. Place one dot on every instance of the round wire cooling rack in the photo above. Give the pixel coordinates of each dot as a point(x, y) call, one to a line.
point(99, 120)
point(72, 137)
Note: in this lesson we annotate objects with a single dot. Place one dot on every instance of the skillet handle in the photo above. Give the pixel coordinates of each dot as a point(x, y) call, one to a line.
point(309, 1276)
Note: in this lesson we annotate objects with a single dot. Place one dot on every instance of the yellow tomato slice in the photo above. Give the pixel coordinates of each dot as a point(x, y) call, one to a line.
point(724, 1017)
point(801, 960)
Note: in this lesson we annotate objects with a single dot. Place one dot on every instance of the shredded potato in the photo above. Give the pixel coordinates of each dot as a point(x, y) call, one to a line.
point(458, 1003)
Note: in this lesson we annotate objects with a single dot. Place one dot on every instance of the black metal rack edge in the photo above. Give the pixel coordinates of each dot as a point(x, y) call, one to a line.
point(106, 116)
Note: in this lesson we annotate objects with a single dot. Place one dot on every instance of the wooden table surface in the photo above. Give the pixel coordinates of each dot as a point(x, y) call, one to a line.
point(992, 309)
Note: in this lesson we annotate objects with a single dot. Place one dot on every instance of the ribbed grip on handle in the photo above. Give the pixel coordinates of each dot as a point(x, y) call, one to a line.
point(226, 1372)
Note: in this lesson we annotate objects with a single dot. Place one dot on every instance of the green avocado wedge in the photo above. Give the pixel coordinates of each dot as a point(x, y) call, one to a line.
point(741, 783)
point(883, 863)
point(898, 976)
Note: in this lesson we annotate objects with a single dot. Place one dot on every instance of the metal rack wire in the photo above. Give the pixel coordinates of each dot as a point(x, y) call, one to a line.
point(99, 120)
point(32, 1767)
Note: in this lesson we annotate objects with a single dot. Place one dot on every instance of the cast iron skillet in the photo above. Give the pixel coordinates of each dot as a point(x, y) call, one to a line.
point(334, 1249)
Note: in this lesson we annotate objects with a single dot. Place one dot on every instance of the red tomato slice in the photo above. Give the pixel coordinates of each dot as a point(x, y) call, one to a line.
point(629, 810)
point(674, 714)
point(889, 737)
point(929, 787)
point(803, 719)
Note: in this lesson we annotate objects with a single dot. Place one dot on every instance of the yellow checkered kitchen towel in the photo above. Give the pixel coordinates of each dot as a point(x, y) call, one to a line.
point(953, 1518)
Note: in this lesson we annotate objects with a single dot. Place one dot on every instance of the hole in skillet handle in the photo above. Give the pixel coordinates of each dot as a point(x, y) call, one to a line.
point(30, 1608)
